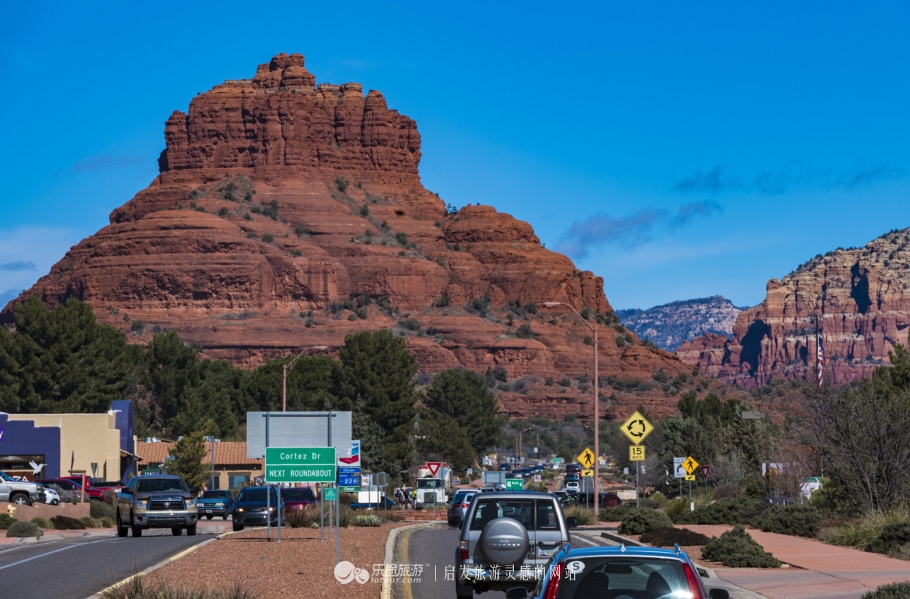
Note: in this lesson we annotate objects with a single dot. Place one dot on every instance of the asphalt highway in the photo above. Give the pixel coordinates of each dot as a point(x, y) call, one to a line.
point(80, 567)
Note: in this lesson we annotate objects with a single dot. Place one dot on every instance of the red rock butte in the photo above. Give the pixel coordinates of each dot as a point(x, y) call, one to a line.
point(280, 199)
point(860, 298)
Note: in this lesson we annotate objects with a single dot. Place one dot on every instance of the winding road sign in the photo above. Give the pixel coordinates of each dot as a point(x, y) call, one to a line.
point(636, 428)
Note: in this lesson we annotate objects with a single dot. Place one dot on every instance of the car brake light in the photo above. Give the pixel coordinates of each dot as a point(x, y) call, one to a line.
point(463, 549)
point(464, 505)
point(692, 579)
point(553, 583)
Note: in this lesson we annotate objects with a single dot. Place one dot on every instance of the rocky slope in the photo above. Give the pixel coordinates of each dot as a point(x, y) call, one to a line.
point(861, 298)
point(288, 214)
point(669, 325)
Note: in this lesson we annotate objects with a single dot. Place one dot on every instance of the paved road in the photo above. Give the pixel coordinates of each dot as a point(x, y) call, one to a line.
point(79, 567)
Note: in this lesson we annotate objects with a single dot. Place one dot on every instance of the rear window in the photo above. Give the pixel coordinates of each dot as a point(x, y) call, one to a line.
point(605, 578)
point(301, 494)
point(214, 495)
point(533, 514)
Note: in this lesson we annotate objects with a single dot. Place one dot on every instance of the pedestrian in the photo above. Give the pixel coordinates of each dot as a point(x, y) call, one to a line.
point(414, 498)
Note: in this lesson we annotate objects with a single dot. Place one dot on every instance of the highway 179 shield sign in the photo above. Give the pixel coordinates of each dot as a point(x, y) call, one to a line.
point(636, 428)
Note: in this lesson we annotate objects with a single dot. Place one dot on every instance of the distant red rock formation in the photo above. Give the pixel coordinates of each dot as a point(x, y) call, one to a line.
point(278, 200)
point(861, 298)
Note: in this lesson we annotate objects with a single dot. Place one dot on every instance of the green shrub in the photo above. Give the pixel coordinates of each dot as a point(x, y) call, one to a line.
point(364, 210)
point(268, 237)
point(42, 522)
point(90, 522)
point(642, 520)
point(6, 521)
point(667, 537)
point(614, 514)
point(895, 590)
point(341, 183)
point(524, 332)
point(892, 537)
point(584, 515)
point(676, 507)
point(107, 522)
point(24, 529)
point(655, 501)
point(726, 511)
point(796, 520)
point(67, 523)
point(99, 509)
point(863, 533)
point(736, 549)
point(367, 520)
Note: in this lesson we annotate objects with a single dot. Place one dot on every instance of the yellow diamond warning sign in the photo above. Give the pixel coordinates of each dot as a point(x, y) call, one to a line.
point(586, 458)
point(690, 464)
point(637, 427)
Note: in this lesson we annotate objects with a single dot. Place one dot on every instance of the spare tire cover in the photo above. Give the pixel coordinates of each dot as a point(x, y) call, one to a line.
point(504, 541)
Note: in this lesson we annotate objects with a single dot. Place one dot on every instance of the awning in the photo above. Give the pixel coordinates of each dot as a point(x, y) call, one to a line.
point(126, 453)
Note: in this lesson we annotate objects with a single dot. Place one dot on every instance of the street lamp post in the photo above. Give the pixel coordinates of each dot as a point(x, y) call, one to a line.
point(596, 399)
point(287, 367)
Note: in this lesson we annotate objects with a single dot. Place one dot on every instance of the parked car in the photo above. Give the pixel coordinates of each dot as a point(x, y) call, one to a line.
point(215, 503)
point(67, 484)
point(51, 497)
point(459, 506)
point(297, 498)
point(21, 492)
point(156, 501)
point(595, 572)
point(507, 540)
point(252, 508)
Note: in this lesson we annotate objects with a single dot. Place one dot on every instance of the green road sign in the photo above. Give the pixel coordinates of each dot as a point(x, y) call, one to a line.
point(350, 489)
point(330, 494)
point(300, 465)
point(514, 484)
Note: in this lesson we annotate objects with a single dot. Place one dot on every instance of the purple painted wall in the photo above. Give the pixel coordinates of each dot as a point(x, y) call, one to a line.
point(22, 437)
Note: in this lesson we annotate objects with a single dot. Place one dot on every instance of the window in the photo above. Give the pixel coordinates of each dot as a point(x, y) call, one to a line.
point(603, 578)
point(256, 495)
point(214, 495)
point(235, 480)
point(161, 485)
point(489, 509)
point(298, 494)
point(432, 483)
point(547, 518)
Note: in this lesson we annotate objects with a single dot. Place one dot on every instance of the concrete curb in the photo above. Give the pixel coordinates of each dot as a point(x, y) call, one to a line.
point(386, 589)
point(620, 539)
point(151, 569)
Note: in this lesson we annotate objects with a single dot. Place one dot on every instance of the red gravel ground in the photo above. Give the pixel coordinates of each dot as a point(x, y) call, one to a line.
point(299, 566)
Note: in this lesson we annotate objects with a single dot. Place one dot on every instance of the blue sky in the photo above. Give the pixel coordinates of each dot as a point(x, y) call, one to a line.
point(678, 150)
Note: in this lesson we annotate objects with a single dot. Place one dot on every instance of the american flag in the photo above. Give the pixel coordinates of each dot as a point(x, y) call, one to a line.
point(820, 361)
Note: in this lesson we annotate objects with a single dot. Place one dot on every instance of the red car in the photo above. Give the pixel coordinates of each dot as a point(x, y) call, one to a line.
point(297, 498)
point(67, 484)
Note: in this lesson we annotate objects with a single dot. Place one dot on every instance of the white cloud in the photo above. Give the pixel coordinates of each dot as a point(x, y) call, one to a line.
point(34, 246)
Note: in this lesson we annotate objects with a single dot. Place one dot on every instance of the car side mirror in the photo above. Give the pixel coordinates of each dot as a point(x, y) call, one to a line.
point(516, 593)
point(572, 522)
point(718, 594)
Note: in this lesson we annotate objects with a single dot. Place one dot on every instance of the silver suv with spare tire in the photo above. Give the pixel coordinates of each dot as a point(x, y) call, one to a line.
point(507, 539)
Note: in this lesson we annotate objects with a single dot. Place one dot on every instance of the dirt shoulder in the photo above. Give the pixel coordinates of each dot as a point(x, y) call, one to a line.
point(299, 566)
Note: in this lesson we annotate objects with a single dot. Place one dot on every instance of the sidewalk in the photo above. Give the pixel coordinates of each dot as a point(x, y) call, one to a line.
point(824, 570)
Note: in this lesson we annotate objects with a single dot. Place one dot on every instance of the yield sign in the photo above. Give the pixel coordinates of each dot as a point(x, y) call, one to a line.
point(433, 467)
point(690, 465)
point(705, 470)
point(636, 428)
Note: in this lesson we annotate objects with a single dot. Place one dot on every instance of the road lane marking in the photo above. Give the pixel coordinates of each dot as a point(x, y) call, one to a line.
point(406, 584)
point(50, 553)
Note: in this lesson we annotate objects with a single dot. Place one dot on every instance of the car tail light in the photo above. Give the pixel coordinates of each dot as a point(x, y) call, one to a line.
point(464, 505)
point(692, 579)
point(553, 583)
point(463, 549)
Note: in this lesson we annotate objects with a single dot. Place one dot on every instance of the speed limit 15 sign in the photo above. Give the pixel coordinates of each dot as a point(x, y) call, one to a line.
point(636, 453)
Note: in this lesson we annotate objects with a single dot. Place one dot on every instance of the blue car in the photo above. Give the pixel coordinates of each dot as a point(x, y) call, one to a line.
point(619, 573)
point(254, 508)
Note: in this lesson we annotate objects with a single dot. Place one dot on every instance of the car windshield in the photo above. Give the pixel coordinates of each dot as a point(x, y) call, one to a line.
point(256, 495)
point(4, 476)
point(596, 578)
point(433, 483)
point(161, 485)
point(214, 495)
point(489, 508)
point(301, 494)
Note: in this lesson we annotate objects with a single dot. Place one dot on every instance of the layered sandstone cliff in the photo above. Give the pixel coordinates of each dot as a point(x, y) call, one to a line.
point(669, 325)
point(288, 214)
point(860, 298)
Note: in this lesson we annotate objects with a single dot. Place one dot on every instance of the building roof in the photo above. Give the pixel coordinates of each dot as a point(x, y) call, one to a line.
point(226, 452)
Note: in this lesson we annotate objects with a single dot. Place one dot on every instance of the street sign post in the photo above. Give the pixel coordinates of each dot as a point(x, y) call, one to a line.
point(587, 473)
point(514, 484)
point(586, 458)
point(331, 494)
point(636, 428)
point(300, 465)
point(690, 464)
point(636, 453)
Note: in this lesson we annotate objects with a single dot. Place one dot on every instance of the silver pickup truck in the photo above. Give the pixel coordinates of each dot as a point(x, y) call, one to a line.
point(20, 491)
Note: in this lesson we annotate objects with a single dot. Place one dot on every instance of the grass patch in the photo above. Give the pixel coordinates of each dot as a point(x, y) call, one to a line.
point(136, 588)
point(866, 530)
point(584, 515)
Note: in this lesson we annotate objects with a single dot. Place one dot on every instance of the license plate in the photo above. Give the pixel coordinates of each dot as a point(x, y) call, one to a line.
point(208, 511)
point(547, 550)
